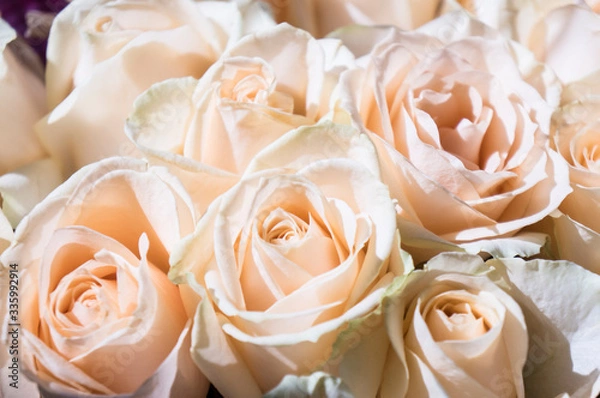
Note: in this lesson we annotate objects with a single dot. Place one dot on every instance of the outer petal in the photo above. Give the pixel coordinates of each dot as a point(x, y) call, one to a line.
point(559, 41)
point(564, 350)
point(576, 242)
point(6, 233)
point(216, 356)
point(158, 126)
point(127, 212)
point(318, 384)
point(77, 136)
point(25, 187)
point(321, 17)
point(22, 104)
point(305, 145)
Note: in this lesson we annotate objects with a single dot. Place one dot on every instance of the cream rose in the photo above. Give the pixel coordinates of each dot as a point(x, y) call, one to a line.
point(266, 85)
point(454, 335)
point(98, 314)
point(103, 54)
point(562, 34)
point(576, 136)
point(499, 329)
point(514, 18)
point(283, 262)
point(462, 327)
point(461, 130)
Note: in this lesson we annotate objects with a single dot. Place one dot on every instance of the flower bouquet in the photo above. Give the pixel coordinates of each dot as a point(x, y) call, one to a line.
point(292, 198)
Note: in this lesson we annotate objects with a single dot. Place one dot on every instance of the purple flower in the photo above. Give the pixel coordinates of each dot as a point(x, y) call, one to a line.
point(32, 19)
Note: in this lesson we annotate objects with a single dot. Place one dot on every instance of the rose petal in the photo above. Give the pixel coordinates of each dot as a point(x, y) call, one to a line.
point(26, 186)
point(562, 350)
point(315, 384)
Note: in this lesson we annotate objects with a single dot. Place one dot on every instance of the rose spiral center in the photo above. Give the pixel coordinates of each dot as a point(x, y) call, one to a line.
point(458, 315)
point(90, 295)
point(252, 81)
point(585, 150)
point(462, 117)
point(282, 227)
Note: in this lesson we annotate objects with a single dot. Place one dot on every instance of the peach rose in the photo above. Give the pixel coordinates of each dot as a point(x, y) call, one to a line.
point(98, 314)
point(453, 335)
point(286, 259)
point(102, 54)
point(499, 329)
point(266, 85)
point(576, 136)
point(461, 129)
point(462, 327)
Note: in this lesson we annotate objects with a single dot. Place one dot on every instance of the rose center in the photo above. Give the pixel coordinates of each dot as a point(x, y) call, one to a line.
point(461, 317)
point(89, 295)
point(281, 227)
point(585, 150)
point(251, 81)
point(459, 114)
point(103, 24)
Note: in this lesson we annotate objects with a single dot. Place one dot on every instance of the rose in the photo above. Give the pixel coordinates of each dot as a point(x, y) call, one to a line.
point(103, 54)
point(26, 176)
point(95, 301)
point(562, 37)
point(324, 16)
point(461, 131)
point(454, 334)
point(462, 327)
point(515, 18)
point(253, 95)
point(266, 85)
point(576, 136)
point(454, 331)
point(283, 262)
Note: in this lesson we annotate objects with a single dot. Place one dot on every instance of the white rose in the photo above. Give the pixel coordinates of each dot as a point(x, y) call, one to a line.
point(462, 327)
point(576, 136)
point(453, 335)
point(283, 262)
point(266, 85)
point(564, 38)
point(461, 130)
point(499, 329)
point(103, 54)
